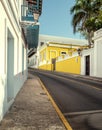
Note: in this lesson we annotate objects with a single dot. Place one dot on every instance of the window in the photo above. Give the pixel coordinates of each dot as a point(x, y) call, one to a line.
point(63, 53)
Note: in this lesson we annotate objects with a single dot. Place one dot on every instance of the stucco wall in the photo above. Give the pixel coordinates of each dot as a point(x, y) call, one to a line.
point(70, 65)
point(11, 42)
point(46, 67)
point(95, 54)
point(88, 52)
point(98, 53)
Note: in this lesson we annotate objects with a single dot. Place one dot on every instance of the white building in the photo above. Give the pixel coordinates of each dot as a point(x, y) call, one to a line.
point(13, 53)
point(33, 58)
point(18, 30)
point(91, 60)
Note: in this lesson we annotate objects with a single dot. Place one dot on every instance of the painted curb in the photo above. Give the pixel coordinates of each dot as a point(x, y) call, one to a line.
point(65, 122)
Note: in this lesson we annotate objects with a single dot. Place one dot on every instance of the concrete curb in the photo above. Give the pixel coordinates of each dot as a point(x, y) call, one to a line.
point(60, 114)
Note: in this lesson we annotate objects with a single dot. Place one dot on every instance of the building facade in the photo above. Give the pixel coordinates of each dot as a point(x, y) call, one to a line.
point(91, 61)
point(33, 58)
point(13, 53)
point(16, 24)
point(60, 54)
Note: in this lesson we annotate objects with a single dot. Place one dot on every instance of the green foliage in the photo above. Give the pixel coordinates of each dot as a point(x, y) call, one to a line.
point(87, 17)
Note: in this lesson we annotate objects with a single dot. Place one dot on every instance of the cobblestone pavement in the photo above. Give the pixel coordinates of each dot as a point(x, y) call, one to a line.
point(32, 110)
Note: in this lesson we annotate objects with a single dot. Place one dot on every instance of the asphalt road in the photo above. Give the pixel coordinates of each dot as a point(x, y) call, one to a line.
point(76, 96)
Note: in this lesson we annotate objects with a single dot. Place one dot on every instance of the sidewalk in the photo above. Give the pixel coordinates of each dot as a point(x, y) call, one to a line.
point(32, 110)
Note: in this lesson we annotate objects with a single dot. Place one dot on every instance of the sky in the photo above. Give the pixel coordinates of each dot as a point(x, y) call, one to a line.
point(56, 18)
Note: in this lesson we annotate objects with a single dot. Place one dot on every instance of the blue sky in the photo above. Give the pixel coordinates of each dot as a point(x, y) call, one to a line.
point(56, 18)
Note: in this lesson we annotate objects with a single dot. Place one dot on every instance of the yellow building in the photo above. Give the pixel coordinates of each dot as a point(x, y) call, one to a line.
point(61, 56)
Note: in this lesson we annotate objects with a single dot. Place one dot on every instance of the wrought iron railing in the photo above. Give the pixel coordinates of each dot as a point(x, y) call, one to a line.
point(26, 15)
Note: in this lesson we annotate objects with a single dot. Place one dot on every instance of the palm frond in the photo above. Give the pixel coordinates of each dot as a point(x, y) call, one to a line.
point(77, 20)
point(75, 8)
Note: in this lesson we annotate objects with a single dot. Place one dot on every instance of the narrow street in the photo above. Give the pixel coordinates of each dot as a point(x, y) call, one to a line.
point(77, 97)
point(51, 65)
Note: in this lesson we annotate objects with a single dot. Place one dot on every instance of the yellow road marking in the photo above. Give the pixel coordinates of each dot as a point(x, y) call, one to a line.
point(65, 122)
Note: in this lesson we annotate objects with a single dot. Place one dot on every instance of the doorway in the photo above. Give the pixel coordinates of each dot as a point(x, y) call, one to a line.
point(53, 64)
point(87, 69)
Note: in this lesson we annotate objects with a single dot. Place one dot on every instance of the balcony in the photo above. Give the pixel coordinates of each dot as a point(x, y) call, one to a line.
point(26, 15)
point(28, 10)
point(29, 21)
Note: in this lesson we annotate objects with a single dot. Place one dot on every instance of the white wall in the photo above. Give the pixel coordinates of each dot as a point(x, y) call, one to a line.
point(85, 53)
point(98, 53)
point(33, 61)
point(10, 21)
point(95, 56)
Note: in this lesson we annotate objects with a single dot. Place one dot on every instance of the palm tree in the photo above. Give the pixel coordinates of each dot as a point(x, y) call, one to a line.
point(85, 17)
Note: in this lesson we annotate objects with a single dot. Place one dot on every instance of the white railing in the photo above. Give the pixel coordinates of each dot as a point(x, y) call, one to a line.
point(65, 57)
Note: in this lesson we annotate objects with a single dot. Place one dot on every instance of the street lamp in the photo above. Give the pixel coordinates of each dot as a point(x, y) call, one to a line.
point(79, 51)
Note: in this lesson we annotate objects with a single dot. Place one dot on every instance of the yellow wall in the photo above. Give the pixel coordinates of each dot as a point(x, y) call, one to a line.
point(71, 65)
point(43, 55)
point(46, 67)
point(53, 52)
